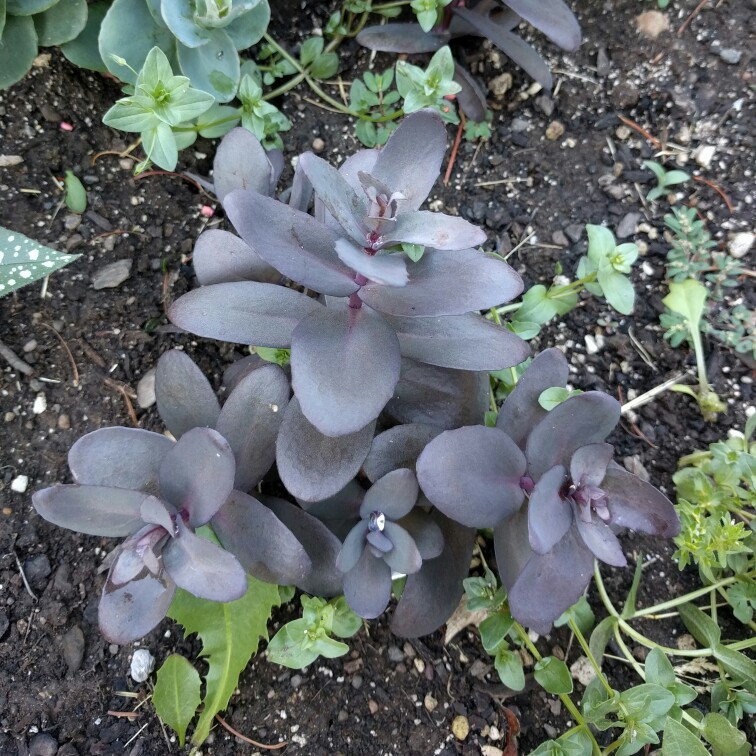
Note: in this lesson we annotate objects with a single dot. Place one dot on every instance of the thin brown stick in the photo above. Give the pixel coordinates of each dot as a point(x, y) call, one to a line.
point(691, 16)
point(127, 714)
point(633, 125)
point(14, 360)
point(127, 393)
point(249, 740)
point(453, 155)
point(68, 352)
point(718, 189)
point(23, 577)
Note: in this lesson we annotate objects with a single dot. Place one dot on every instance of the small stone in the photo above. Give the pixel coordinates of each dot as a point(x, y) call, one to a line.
point(9, 417)
point(72, 222)
point(519, 124)
point(545, 104)
point(146, 389)
point(357, 682)
point(740, 244)
point(419, 664)
point(295, 681)
point(651, 24)
point(395, 654)
point(634, 465)
point(574, 231)
point(560, 239)
point(626, 227)
point(6, 161)
point(409, 650)
point(591, 347)
point(582, 670)
point(112, 275)
point(342, 716)
point(603, 65)
point(373, 706)
point(30, 346)
point(43, 744)
point(76, 240)
point(142, 664)
point(730, 56)
point(20, 483)
point(73, 649)
point(430, 703)
point(500, 85)
point(126, 164)
point(460, 727)
point(37, 569)
point(489, 750)
point(40, 404)
point(318, 145)
point(554, 130)
point(493, 733)
point(705, 154)
point(64, 422)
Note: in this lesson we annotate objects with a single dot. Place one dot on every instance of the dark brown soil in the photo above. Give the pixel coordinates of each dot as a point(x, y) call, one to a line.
point(58, 677)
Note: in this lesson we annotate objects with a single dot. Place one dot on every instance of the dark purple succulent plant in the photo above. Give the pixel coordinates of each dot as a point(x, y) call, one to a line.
point(546, 483)
point(138, 484)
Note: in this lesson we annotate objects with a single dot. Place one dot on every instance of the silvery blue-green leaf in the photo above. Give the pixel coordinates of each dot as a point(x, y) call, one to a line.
point(131, 114)
point(27, 7)
point(160, 145)
point(178, 16)
point(61, 22)
point(190, 105)
point(601, 242)
point(23, 261)
point(83, 50)
point(218, 120)
point(617, 289)
point(675, 177)
point(117, 37)
point(214, 67)
point(18, 48)
point(156, 71)
point(687, 299)
point(247, 29)
point(184, 139)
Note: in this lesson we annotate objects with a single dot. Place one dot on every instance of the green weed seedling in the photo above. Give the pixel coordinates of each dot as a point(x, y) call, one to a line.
point(665, 179)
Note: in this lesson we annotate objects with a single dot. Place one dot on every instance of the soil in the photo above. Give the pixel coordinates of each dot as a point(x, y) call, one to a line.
point(59, 679)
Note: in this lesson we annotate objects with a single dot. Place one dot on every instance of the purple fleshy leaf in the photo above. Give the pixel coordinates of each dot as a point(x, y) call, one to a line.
point(404, 557)
point(394, 494)
point(473, 475)
point(461, 342)
point(432, 594)
point(93, 510)
point(291, 241)
point(549, 515)
point(221, 257)
point(244, 312)
point(600, 539)
point(237, 371)
point(250, 420)
point(197, 475)
point(553, 18)
point(345, 365)
point(384, 270)
point(547, 584)
point(157, 512)
point(241, 163)
point(439, 397)
point(352, 548)
point(119, 457)
point(588, 464)
point(397, 447)
point(321, 545)
point(128, 562)
point(346, 206)
point(314, 466)
point(435, 230)
point(301, 191)
point(202, 568)
point(425, 533)
point(185, 398)
point(265, 547)
point(401, 38)
point(472, 97)
point(521, 411)
point(512, 46)
point(379, 541)
point(367, 586)
point(343, 505)
point(580, 420)
point(480, 282)
point(635, 504)
point(128, 612)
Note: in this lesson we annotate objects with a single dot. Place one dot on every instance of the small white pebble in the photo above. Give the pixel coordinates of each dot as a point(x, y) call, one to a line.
point(20, 483)
point(142, 664)
point(40, 404)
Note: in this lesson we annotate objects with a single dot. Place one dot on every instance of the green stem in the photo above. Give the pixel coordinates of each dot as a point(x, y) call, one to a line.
point(591, 658)
point(563, 697)
point(656, 608)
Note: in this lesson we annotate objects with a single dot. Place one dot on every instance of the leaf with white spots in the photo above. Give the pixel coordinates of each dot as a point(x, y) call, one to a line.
point(23, 261)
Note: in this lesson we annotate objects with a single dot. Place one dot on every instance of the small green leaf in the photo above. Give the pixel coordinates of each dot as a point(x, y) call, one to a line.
point(601, 242)
point(553, 676)
point(177, 694)
point(310, 50)
point(287, 646)
point(629, 609)
point(659, 669)
point(413, 251)
point(738, 665)
point(345, 622)
point(280, 357)
point(509, 667)
point(721, 734)
point(581, 613)
point(493, 631)
point(325, 66)
point(680, 741)
point(700, 625)
point(551, 397)
point(76, 194)
point(600, 638)
point(687, 299)
point(675, 177)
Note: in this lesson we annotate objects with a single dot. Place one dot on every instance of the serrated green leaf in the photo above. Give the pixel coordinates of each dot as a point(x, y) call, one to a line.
point(553, 675)
point(721, 734)
point(177, 694)
point(23, 260)
point(680, 741)
point(700, 625)
point(509, 667)
point(600, 638)
point(230, 634)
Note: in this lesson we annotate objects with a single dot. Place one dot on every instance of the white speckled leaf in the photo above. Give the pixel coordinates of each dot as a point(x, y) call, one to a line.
point(23, 261)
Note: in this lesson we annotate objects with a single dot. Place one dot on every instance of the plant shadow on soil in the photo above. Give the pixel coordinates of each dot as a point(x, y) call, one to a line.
point(59, 678)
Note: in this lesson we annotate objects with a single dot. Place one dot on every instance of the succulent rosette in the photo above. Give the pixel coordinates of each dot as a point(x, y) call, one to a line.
point(552, 494)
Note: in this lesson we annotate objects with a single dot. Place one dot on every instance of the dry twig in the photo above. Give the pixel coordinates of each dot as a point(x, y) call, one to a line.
point(249, 740)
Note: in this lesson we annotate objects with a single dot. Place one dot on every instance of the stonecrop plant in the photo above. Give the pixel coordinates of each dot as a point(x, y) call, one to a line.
point(368, 385)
